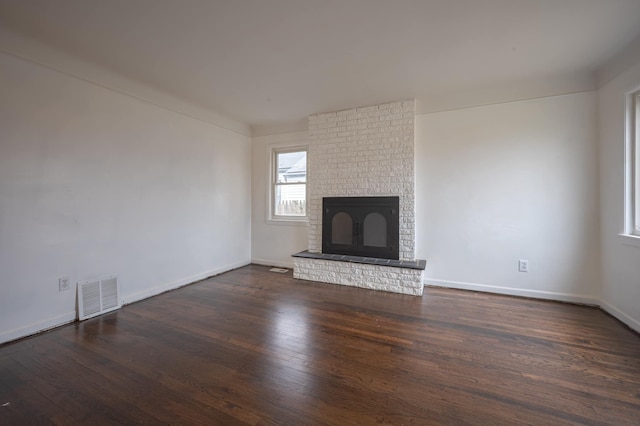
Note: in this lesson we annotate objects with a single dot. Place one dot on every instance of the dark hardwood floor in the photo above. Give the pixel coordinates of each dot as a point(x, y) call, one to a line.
point(257, 347)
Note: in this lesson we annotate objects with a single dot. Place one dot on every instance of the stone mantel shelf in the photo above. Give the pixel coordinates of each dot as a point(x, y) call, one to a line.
point(418, 264)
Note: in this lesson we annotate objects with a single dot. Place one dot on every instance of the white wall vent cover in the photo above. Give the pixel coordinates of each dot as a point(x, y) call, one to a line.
point(98, 297)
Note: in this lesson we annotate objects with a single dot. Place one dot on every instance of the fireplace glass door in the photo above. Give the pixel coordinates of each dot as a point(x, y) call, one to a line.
point(361, 226)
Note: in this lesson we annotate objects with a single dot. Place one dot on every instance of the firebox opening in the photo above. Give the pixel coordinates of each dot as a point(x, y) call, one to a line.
point(361, 226)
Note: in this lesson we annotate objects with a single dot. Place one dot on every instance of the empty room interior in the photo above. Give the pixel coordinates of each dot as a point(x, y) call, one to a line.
point(320, 212)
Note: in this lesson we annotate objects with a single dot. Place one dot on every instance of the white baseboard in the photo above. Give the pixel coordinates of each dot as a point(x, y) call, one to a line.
point(154, 291)
point(67, 318)
point(523, 292)
point(18, 333)
point(621, 316)
point(267, 262)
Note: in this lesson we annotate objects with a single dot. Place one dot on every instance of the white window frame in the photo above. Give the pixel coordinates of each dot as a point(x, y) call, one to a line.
point(273, 183)
point(632, 166)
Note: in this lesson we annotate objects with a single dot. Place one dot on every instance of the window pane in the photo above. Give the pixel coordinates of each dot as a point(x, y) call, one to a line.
point(292, 166)
point(290, 200)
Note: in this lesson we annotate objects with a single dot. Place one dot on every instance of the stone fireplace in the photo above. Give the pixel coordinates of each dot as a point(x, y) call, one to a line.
point(362, 154)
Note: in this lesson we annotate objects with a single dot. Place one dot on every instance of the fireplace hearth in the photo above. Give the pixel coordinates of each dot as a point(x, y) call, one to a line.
point(361, 226)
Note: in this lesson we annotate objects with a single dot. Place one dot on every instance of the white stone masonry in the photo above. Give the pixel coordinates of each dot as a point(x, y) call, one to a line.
point(363, 152)
point(376, 277)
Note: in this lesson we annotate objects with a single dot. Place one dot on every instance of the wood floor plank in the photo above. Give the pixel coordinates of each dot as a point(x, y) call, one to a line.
point(260, 348)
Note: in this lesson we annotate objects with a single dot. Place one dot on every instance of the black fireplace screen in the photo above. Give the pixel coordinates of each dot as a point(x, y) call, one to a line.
point(361, 226)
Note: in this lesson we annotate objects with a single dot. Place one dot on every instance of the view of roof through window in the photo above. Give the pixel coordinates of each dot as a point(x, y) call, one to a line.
point(292, 166)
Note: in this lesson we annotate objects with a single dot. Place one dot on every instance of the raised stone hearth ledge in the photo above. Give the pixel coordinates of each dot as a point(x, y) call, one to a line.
point(395, 279)
point(410, 264)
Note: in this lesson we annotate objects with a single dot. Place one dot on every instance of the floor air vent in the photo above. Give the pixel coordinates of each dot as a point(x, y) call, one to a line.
point(98, 297)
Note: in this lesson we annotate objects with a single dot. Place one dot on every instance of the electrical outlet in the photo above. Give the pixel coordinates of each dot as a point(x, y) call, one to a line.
point(64, 284)
point(523, 265)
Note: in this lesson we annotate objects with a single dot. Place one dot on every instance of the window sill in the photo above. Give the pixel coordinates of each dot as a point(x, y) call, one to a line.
point(629, 240)
point(303, 221)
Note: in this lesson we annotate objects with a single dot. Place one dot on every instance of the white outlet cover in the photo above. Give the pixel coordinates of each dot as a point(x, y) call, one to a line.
point(64, 284)
point(523, 265)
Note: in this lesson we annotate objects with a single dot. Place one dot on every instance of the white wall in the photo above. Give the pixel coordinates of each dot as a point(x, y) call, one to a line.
point(272, 242)
point(620, 257)
point(94, 182)
point(494, 184)
point(505, 182)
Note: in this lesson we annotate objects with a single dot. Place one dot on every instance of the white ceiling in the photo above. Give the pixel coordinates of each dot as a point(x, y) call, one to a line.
point(271, 61)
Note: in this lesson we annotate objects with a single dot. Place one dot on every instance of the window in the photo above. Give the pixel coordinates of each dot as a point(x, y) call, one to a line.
point(289, 183)
point(633, 165)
